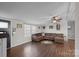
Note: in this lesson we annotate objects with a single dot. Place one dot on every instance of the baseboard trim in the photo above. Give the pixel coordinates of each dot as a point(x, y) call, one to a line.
point(20, 44)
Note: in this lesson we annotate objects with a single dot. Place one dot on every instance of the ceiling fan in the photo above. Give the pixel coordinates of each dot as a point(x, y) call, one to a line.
point(57, 18)
point(53, 19)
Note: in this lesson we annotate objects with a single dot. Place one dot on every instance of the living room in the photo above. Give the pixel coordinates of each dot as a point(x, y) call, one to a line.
point(37, 25)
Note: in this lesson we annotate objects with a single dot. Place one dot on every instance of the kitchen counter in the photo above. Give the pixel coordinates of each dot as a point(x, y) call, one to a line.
point(3, 43)
point(3, 35)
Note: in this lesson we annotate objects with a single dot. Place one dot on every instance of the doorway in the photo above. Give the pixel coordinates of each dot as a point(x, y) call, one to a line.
point(71, 30)
point(6, 27)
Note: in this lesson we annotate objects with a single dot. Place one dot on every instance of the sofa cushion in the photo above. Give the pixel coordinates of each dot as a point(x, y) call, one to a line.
point(49, 36)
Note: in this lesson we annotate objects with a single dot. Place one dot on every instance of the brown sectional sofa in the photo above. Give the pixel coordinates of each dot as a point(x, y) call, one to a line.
point(37, 37)
point(59, 38)
point(48, 36)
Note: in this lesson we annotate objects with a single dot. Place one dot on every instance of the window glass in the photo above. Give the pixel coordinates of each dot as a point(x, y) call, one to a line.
point(27, 29)
point(33, 29)
point(3, 24)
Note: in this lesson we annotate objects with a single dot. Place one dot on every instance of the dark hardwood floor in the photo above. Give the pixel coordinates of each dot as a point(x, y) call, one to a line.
point(37, 49)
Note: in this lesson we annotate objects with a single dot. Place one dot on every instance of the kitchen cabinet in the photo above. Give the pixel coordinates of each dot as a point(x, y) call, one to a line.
point(3, 47)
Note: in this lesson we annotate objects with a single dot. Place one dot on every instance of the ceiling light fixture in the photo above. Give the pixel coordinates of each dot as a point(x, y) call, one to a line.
point(56, 19)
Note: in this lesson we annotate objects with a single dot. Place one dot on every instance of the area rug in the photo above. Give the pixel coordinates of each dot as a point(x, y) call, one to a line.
point(46, 42)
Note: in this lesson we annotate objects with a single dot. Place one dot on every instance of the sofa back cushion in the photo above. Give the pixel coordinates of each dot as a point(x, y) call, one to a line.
point(60, 35)
point(37, 34)
point(50, 34)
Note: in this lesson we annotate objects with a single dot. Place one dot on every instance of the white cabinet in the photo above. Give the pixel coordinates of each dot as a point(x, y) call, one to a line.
point(0, 48)
point(3, 47)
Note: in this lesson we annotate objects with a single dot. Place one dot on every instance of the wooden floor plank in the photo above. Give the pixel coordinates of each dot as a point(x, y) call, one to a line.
point(37, 49)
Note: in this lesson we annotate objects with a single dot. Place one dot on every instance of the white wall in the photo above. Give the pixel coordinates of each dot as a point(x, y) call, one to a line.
point(54, 30)
point(19, 36)
point(37, 29)
point(76, 14)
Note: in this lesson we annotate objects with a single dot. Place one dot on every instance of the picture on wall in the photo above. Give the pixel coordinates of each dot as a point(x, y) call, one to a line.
point(19, 25)
point(50, 27)
point(43, 27)
point(58, 27)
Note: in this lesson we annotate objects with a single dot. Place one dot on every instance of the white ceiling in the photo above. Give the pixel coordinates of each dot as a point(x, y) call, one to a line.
point(30, 12)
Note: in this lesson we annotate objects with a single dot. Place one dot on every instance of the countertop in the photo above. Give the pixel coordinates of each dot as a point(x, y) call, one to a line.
point(3, 35)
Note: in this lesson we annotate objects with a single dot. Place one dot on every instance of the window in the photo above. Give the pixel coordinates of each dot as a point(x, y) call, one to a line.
point(3, 24)
point(33, 29)
point(27, 30)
